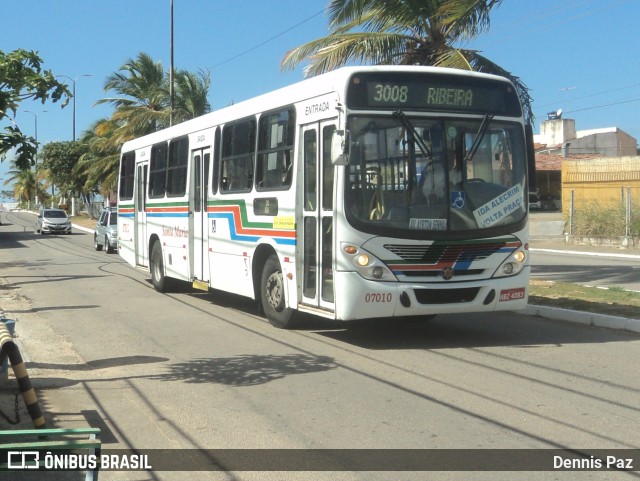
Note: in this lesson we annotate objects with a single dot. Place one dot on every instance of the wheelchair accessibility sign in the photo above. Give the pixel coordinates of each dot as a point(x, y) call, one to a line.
point(458, 200)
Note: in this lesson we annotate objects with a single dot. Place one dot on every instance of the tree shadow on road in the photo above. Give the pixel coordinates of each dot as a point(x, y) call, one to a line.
point(245, 370)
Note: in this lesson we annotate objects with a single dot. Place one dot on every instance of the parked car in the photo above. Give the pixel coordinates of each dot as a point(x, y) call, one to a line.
point(534, 201)
point(106, 233)
point(53, 221)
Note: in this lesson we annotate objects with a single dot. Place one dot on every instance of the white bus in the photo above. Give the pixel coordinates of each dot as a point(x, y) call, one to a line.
point(361, 193)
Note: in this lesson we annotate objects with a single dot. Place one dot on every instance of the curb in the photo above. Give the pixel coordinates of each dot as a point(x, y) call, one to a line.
point(83, 229)
point(585, 318)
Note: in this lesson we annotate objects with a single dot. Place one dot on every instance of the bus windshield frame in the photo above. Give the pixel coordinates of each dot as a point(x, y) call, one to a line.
point(465, 178)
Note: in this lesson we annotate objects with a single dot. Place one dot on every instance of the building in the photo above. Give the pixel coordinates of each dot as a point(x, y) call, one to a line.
point(560, 140)
point(560, 137)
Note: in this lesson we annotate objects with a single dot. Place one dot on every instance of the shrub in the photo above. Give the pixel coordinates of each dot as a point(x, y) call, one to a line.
point(605, 220)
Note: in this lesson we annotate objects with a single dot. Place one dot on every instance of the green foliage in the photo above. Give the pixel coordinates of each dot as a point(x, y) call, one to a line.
point(605, 220)
point(403, 32)
point(24, 184)
point(141, 98)
point(60, 160)
point(22, 77)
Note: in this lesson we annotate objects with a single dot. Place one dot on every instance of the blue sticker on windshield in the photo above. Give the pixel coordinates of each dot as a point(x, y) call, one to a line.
point(457, 200)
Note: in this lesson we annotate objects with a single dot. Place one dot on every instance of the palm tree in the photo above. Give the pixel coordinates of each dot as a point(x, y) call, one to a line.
point(142, 106)
point(100, 164)
point(24, 183)
point(143, 103)
point(403, 32)
point(191, 95)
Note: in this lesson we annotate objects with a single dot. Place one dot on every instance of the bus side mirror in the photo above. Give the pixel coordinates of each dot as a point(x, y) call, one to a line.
point(340, 142)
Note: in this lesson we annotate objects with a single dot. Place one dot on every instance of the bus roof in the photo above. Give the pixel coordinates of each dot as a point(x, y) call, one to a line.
point(291, 94)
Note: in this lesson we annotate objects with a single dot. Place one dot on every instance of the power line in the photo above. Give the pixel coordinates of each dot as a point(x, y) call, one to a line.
point(590, 95)
point(268, 40)
point(604, 105)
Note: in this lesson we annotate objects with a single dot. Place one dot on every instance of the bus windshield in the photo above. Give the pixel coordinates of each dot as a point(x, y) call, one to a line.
point(415, 174)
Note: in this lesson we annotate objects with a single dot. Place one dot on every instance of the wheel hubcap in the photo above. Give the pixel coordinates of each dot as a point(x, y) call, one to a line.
point(275, 290)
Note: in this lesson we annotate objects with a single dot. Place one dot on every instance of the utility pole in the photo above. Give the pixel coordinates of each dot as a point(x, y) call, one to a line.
point(171, 88)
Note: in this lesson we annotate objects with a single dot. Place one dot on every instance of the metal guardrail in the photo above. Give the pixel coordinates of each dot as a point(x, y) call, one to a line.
point(28, 448)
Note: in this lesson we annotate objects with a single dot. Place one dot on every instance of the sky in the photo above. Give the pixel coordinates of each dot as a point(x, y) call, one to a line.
point(580, 56)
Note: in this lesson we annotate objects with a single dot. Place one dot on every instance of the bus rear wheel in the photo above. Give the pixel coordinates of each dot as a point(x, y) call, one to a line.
point(156, 265)
point(272, 295)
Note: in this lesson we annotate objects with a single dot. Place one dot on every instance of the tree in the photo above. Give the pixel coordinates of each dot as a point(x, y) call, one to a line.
point(22, 78)
point(99, 164)
point(403, 32)
point(24, 183)
point(60, 160)
point(142, 106)
point(143, 101)
point(191, 95)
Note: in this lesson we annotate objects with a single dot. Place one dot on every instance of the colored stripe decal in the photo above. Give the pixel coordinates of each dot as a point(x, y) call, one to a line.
point(240, 228)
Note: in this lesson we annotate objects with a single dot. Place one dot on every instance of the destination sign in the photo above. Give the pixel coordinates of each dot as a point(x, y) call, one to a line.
point(437, 92)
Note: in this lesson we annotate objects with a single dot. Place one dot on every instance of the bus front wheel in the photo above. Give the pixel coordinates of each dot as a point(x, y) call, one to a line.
point(272, 295)
point(156, 266)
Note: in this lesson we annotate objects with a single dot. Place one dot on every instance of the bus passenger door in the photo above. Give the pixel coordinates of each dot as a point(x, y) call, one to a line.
point(140, 216)
point(317, 210)
point(198, 239)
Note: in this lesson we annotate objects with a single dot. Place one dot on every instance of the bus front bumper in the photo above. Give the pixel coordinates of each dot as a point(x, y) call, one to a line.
point(369, 299)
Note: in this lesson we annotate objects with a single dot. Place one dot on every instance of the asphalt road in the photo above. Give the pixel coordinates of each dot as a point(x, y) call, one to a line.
point(553, 259)
point(193, 370)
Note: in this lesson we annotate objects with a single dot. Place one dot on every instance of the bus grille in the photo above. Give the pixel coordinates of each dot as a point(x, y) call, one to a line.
point(447, 253)
point(446, 296)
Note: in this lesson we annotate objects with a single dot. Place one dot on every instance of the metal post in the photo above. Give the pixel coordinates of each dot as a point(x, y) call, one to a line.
point(571, 214)
point(35, 175)
point(627, 220)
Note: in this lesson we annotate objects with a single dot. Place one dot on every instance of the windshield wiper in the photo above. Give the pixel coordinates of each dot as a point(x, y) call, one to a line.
point(406, 123)
point(479, 136)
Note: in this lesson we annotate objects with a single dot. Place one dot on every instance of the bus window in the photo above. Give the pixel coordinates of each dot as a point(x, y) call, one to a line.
point(158, 171)
point(177, 167)
point(275, 147)
point(310, 173)
point(127, 171)
point(216, 161)
point(327, 168)
point(238, 148)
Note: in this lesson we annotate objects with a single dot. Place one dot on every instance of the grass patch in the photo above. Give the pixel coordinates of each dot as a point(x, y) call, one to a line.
point(83, 221)
point(613, 301)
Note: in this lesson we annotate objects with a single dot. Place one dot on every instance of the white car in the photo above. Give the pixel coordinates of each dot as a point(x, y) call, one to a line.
point(106, 233)
point(53, 221)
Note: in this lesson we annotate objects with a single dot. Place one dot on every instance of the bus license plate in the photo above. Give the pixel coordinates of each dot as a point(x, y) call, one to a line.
point(512, 294)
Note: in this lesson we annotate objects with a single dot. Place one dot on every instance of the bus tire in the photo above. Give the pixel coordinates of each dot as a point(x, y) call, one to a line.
point(272, 295)
point(156, 265)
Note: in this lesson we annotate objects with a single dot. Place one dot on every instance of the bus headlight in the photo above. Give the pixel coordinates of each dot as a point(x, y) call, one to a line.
point(512, 264)
point(366, 264)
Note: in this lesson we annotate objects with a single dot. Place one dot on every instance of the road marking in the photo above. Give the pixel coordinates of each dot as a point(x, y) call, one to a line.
point(583, 253)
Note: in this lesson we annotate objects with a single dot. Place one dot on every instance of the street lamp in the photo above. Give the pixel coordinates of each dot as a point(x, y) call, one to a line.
point(35, 120)
point(73, 81)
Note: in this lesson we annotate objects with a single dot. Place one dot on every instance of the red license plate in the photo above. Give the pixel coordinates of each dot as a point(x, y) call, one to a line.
point(512, 294)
